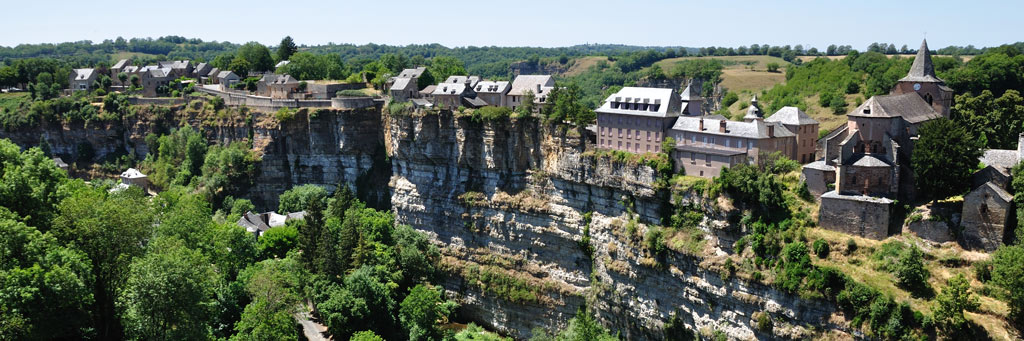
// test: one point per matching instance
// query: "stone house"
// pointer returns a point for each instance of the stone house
(493, 93)
(133, 177)
(988, 213)
(634, 119)
(152, 78)
(704, 146)
(450, 95)
(82, 79)
(117, 69)
(804, 127)
(178, 68)
(202, 72)
(404, 89)
(470, 81)
(226, 79)
(277, 86)
(539, 85)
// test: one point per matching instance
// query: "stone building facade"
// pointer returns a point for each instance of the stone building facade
(636, 119)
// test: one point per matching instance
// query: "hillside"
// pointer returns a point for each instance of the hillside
(741, 73)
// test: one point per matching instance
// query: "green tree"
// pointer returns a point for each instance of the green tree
(1008, 274)
(953, 300)
(111, 229)
(169, 293)
(584, 327)
(773, 67)
(422, 310)
(910, 271)
(257, 55)
(566, 105)
(286, 49)
(31, 185)
(277, 241)
(274, 287)
(45, 287)
(944, 159)
(443, 66)
(528, 107)
(240, 67)
(1000, 120)
(366, 335)
(298, 198)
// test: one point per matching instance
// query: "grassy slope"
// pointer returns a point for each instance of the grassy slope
(11, 101)
(859, 265)
(582, 64)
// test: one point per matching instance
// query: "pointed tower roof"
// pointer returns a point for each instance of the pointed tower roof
(922, 70)
(753, 112)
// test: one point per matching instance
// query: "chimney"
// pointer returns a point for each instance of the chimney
(721, 126)
(701, 127)
(1020, 146)
(771, 131)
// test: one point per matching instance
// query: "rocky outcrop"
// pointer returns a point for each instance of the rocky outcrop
(508, 203)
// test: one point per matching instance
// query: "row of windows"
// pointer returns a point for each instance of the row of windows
(630, 133)
(631, 147)
(710, 140)
(635, 106)
(629, 120)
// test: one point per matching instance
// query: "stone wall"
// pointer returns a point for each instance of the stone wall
(986, 215)
(864, 216)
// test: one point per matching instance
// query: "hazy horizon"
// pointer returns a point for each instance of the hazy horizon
(527, 23)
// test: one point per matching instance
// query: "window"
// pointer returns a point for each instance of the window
(648, 136)
(693, 158)
(620, 132)
(648, 148)
(628, 146)
(712, 140)
(707, 160)
(705, 139)
(750, 144)
(727, 143)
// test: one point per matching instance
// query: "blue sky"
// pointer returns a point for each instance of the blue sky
(524, 22)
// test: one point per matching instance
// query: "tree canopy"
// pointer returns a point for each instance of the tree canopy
(944, 158)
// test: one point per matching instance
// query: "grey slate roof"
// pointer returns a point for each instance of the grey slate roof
(402, 83)
(449, 89)
(791, 116)
(120, 64)
(132, 173)
(271, 78)
(1000, 159)
(474, 102)
(468, 80)
(492, 87)
(203, 69)
(689, 94)
(754, 130)
(412, 73)
(712, 151)
(429, 89)
(922, 70)
(83, 74)
(910, 106)
(226, 74)
(659, 97)
(522, 83)
(868, 160)
(281, 63)
(715, 117)
(820, 165)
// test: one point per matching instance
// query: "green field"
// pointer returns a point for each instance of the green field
(741, 73)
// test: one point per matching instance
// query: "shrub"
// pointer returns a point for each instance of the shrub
(655, 241)
(773, 67)
(764, 322)
(284, 115)
(851, 246)
(729, 99)
(821, 248)
(953, 300)
(910, 271)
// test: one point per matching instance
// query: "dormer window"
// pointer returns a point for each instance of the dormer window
(615, 105)
(867, 111)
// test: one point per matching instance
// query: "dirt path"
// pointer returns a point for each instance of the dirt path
(312, 330)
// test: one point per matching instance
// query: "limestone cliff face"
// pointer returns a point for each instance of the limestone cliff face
(324, 147)
(507, 200)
